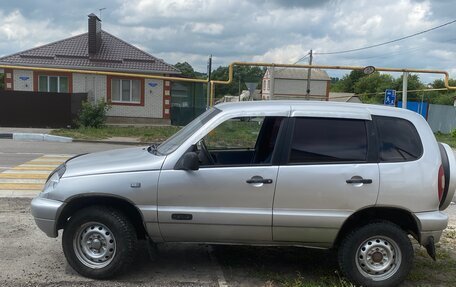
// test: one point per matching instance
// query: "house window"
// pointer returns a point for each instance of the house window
(125, 91)
(55, 84)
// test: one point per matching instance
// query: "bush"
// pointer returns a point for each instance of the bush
(453, 133)
(93, 114)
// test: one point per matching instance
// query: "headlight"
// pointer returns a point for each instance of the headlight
(54, 178)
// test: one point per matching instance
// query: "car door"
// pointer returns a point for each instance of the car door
(328, 173)
(230, 198)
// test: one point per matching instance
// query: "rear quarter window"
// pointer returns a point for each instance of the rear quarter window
(398, 140)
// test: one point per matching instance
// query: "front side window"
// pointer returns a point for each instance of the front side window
(328, 140)
(125, 91)
(240, 141)
(398, 140)
(237, 133)
(176, 140)
(54, 84)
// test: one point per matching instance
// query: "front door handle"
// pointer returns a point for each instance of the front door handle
(359, 180)
(259, 179)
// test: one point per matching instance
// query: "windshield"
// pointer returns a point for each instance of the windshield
(178, 138)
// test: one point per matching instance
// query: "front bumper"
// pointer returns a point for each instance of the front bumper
(45, 212)
(432, 224)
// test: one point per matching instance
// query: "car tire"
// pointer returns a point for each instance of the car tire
(99, 242)
(377, 254)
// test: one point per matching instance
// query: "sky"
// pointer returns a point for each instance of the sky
(250, 30)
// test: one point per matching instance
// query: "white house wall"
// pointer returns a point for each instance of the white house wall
(153, 103)
(93, 85)
(291, 87)
(23, 80)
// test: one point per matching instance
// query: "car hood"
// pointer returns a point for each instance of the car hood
(119, 160)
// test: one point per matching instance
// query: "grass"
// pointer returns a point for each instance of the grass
(151, 134)
(233, 134)
(446, 138)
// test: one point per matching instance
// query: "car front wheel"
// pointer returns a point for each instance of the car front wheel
(377, 254)
(99, 242)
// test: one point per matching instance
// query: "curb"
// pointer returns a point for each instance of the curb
(111, 142)
(35, 137)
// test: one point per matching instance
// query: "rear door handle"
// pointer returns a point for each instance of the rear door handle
(359, 180)
(259, 179)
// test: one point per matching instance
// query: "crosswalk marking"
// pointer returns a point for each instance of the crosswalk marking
(29, 178)
(33, 168)
(56, 163)
(21, 186)
(24, 175)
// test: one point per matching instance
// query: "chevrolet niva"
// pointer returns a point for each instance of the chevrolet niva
(352, 177)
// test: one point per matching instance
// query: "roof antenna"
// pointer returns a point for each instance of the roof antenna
(101, 9)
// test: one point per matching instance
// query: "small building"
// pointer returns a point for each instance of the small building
(134, 99)
(291, 84)
(344, 97)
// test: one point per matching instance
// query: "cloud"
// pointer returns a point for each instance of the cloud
(250, 30)
(22, 33)
(206, 28)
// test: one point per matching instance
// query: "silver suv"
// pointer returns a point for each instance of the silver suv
(356, 178)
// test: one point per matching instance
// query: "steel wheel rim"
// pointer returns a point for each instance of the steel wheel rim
(378, 258)
(94, 245)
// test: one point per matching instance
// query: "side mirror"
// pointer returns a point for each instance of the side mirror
(189, 161)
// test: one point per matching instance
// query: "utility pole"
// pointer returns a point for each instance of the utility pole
(271, 83)
(209, 74)
(309, 73)
(404, 89)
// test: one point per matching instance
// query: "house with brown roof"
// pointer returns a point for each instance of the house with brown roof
(136, 99)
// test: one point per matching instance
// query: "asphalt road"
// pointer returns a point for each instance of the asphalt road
(13, 153)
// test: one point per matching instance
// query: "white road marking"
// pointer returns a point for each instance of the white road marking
(22, 180)
(27, 179)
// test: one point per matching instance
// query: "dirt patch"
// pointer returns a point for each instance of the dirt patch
(29, 258)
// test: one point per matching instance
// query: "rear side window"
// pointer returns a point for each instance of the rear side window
(398, 140)
(327, 140)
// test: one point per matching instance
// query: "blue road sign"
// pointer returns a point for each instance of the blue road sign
(390, 97)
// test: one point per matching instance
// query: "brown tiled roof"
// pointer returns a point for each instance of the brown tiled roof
(114, 55)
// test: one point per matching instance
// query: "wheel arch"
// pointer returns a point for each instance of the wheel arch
(401, 217)
(122, 204)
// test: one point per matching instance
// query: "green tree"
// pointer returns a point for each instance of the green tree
(241, 75)
(444, 97)
(439, 84)
(186, 69)
(372, 85)
(413, 83)
(347, 83)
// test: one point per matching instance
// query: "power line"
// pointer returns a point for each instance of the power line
(388, 42)
(302, 58)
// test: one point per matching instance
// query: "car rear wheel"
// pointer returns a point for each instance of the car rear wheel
(377, 254)
(99, 242)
